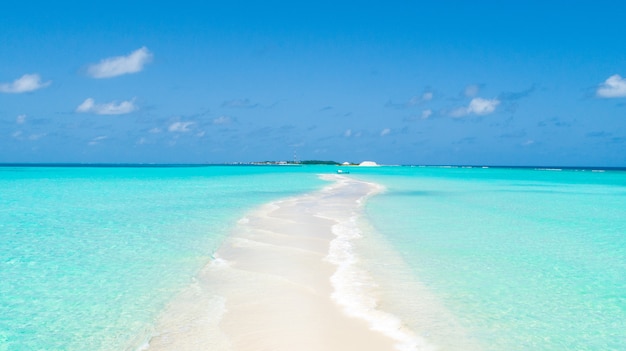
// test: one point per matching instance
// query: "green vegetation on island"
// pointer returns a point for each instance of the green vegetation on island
(318, 162)
(306, 162)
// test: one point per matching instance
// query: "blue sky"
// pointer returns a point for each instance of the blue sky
(397, 82)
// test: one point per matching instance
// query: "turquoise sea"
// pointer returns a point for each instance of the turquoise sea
(524, 259)
(90, 256)
(520, 259)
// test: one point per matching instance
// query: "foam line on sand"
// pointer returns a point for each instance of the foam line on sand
(288, 278)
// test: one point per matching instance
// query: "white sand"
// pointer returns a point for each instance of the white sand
(286, 280)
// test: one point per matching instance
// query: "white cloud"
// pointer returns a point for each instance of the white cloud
(24, 84)
(97, 140)
(155, 130)
(21, 119)
(427, 113)
(482, 106)
(613, 87)
(385, 132)
(222, 120)
(181, 127)
(477, 106)
(111, 108)
(119, 65)
(348, 133)
(87, 106)
(418, 99)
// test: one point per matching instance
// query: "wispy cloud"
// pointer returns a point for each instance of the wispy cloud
(21, 119)
(38, 136)
(19, 135)
(111, 108)
(385, 131)
(478, 106)
(427, 113)
(240, 103)
(120, 65)
(415, 100)
(180, 127)
(554, 122)
(24, 84)
(613, 87)
(471, 90)
(222, 120)
(601, 134)
(465, 141)
(349, 133)
(516, 95)
(97, 140)
(514, 134)
(426, 96)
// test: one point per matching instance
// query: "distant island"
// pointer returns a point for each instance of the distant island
(306, 162)
(315, 162)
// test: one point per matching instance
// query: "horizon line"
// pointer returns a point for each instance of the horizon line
(276, 163)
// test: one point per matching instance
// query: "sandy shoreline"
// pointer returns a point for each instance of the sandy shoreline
(285, 281)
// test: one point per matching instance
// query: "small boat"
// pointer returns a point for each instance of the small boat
(340, 171)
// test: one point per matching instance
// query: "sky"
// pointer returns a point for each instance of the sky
(535, 83)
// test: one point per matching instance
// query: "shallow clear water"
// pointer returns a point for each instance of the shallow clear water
(524, 259)
(520, 259)
(89, 256)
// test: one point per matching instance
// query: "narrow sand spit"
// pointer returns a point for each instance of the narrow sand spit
(284, 281)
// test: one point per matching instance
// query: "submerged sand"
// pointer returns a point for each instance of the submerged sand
(286, 279)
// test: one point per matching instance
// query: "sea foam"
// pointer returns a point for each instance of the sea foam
(355, 289)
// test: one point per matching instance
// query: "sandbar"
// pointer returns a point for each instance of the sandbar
(286, 280)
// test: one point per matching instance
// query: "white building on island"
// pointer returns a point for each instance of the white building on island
(368, 164)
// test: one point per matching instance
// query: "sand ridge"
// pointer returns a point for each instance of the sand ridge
(269, 287)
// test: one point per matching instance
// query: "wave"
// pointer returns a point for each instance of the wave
(355, 289)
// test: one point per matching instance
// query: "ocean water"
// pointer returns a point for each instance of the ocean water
(90, 256)
(515, 259)
(466, 258)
